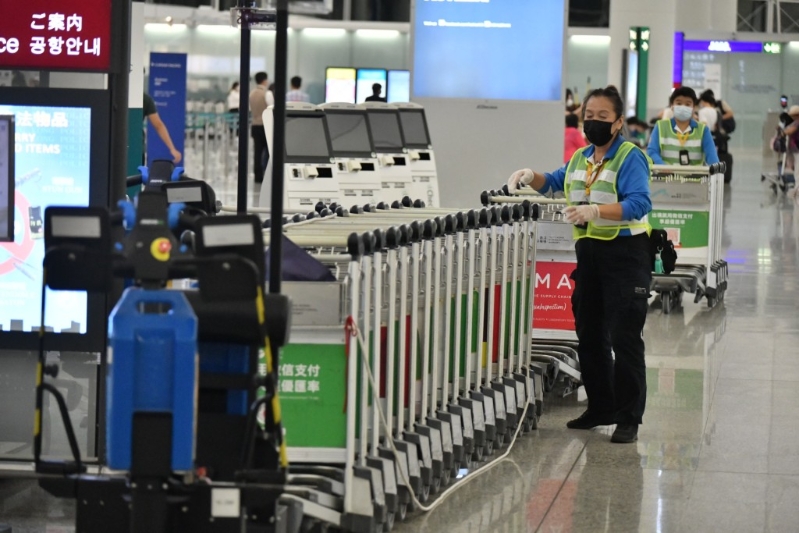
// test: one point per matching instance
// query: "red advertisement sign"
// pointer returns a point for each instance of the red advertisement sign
(553, 292)
(56, 35)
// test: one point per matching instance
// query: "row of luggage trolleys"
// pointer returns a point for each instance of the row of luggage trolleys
(424, 330)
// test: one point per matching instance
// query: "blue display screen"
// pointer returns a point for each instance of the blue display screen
(367, 77)
(53, 156)
(494, 49)
(399, 86)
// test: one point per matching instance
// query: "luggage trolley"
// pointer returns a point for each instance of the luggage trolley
(554, 341)
(418, 304)
(688, 202)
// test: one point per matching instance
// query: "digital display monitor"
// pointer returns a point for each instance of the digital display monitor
(306, 137)
(367, 77)
(6, 178)
(349, 134)
(414, 128)
(461, 50)
(46, 35)
(399, 86)
(340, 85)
(386, 132)
(53, 167)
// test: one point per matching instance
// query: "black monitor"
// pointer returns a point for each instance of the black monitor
(386, 131)
(349, 133)
(7, 178)
(307, 138)
(414, 128)
(61, 158)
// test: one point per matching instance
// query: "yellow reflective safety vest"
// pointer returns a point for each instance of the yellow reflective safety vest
(602, 191)
(672, 142)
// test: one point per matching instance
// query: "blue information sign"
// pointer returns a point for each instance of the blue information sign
(168, 89)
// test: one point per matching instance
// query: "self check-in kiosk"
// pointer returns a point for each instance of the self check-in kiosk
(309, 168)
(356, 164)
(395, 172)
(421, 157)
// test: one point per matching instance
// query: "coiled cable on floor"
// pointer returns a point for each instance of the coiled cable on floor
(390, 435)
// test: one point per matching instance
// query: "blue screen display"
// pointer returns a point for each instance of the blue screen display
(495, 49)
(53, 155)
(399, 86)
(367, 77)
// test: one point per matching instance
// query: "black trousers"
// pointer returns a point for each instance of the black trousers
(609, 302)
(260, 152)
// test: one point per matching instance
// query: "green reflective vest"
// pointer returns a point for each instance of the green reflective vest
(602, 192)
(671, 144)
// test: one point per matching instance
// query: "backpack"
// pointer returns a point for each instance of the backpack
(728, 124)
(664, 256)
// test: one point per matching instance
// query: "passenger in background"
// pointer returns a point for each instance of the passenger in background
(233, 96)
(260, 99)
(296, 94)
(638, 131)
(708, 114)
(573, 139)
(572, 107)
(151, 114)
(607, 189)
(377, 89)
(792, 148)
(682, 140)
(727, 115)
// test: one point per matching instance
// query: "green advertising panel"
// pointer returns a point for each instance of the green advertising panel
(687, 229)
(313, 395)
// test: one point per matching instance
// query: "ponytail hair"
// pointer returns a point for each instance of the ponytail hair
(611, 93)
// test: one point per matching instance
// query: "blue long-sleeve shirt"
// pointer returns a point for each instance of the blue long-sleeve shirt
(708, 146)
(632, 182)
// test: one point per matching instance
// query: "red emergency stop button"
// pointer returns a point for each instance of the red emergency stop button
(160, 249)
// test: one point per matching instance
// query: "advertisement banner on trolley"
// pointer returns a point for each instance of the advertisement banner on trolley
(553, 292)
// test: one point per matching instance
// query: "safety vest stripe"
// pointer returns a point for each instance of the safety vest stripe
(607, 176)
(669, 141)
(600, 197)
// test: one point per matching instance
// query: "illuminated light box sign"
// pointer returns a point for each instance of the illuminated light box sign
(730, 47)
(53, 159)
(46, 35)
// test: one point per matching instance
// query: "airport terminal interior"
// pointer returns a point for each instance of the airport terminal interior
(353, 266)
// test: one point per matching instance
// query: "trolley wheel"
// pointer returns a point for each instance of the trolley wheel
(453, 473)
(402, 512)
(534, 423)
(549, 379)
(489, 448)
(665, 299)
(711, 302)
(446, 478)
(500, 440)
(424, 496)
(435, 488)
(389, 525)
(478, 454)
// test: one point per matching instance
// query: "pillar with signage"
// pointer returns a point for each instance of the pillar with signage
(71, 149)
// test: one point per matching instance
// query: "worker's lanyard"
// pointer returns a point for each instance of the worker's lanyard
(683, 137)
(592, 173)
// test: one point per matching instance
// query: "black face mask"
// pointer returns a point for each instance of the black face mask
(598, 132)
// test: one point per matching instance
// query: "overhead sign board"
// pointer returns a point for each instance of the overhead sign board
(70, 35)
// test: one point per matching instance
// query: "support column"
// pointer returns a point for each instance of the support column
(660, 17)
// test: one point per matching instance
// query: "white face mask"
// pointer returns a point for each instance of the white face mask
(569, 102)
(683, 112)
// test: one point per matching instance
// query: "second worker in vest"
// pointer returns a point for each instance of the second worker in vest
(682, 140)
(607, 191)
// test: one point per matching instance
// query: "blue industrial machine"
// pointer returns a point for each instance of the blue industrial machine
(182, 375)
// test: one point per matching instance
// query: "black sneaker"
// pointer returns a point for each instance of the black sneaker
(625, 433)
(589, 420)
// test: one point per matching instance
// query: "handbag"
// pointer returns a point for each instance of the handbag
(664, 256)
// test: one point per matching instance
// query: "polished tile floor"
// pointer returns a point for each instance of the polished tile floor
(719, 450)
